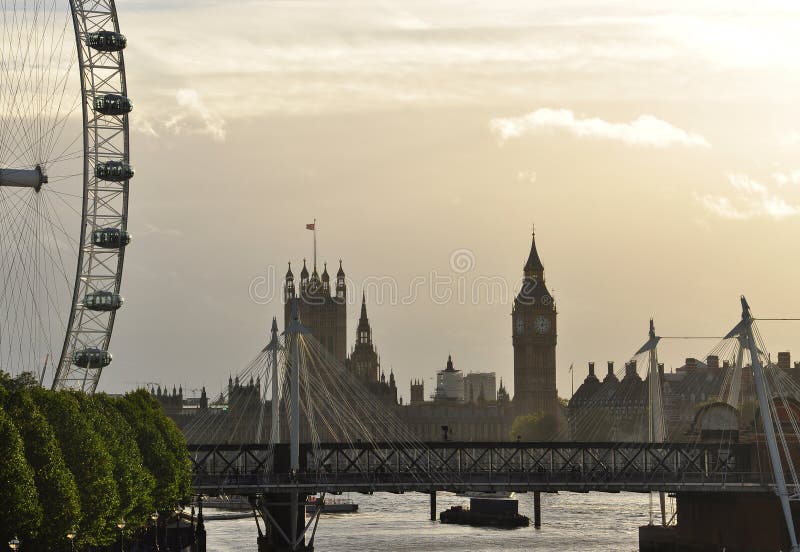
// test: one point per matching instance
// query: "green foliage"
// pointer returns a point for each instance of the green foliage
(134, 482)
(162, 445)
(20, 511)
(58, 493)
(70, 460)
(535, 427)
(88, 458)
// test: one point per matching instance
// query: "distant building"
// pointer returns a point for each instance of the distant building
(364, 362)
(534, 338)
(614, 410)
(449, 383)
(322, 310)
(417, 392)
(480, 387)
(471, 406)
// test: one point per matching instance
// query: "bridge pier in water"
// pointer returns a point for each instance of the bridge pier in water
(284, 514)
(735, 522)
(277, 511)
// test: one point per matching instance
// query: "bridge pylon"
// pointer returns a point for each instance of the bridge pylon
(656, 426)
(747, 335)
(284, 513)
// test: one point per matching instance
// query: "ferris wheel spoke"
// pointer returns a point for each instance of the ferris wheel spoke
(22, 310)
(43, 218)
(58, 224)
(24, 121)
(34, 280)
(44, 81)
(60, 88)
(20, 70)
(51, 201)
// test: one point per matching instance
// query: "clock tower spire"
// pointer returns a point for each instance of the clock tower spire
(534, 339)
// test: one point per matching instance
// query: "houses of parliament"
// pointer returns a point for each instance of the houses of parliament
(470, 406)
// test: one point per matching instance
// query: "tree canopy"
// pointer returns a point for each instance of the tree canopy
(55, 483)
(71, 460)
(20, 511)
(535, 427)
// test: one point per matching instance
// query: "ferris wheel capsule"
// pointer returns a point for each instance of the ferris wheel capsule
(91, 358)
(111, 238)
(113, 104)
(64, 177)
(114, 171)
(103, 301)
(106, 41)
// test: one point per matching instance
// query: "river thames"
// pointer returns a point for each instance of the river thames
(592, 522)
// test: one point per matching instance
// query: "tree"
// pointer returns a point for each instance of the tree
(163, 448)
(535, 427)
(58, 492)
(20, 511)
(134, 482)
(87, 457)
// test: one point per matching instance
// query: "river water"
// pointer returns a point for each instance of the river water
(592, 522)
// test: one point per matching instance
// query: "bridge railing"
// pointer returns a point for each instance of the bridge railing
(469, 465)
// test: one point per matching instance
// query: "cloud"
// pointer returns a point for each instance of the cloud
(787, 178)
(646, 130)
(194, 117)
(527, 176)
(751, 199)
(150, 228)
(143, 126)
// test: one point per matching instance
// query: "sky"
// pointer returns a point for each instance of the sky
(654, 148)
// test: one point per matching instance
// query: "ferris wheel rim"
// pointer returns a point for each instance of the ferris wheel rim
(66, 372)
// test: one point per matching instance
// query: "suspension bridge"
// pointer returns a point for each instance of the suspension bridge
(322, 432)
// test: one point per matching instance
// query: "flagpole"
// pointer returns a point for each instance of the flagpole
(315, 245)
(572, 377)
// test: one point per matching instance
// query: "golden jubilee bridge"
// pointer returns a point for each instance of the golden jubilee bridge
(321, 432)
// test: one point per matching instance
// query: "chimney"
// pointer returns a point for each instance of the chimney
(691, 364)
(630, 369)
(610, 367)
(726, 364)
(713, 362)
(591, 368)
(785, 360)
(661, 369)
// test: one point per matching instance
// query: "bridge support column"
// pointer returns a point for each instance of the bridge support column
(200, 529)
(280, 515)
(537, 509)
(736, 522)
(284, 514)
(433, 506)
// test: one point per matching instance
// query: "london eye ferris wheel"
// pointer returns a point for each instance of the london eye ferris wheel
(64, 179)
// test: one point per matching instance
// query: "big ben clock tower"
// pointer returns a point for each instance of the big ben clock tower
(534, 336)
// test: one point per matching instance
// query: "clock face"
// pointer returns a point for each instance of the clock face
(542, 324)
(519, 325)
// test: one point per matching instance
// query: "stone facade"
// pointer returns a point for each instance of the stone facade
(534, 338)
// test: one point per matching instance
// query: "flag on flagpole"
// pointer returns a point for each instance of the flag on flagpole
(310, 226)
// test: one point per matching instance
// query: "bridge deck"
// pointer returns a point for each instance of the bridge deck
(469, 466)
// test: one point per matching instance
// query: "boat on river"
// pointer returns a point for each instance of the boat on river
(487, 512)
(332, 505)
